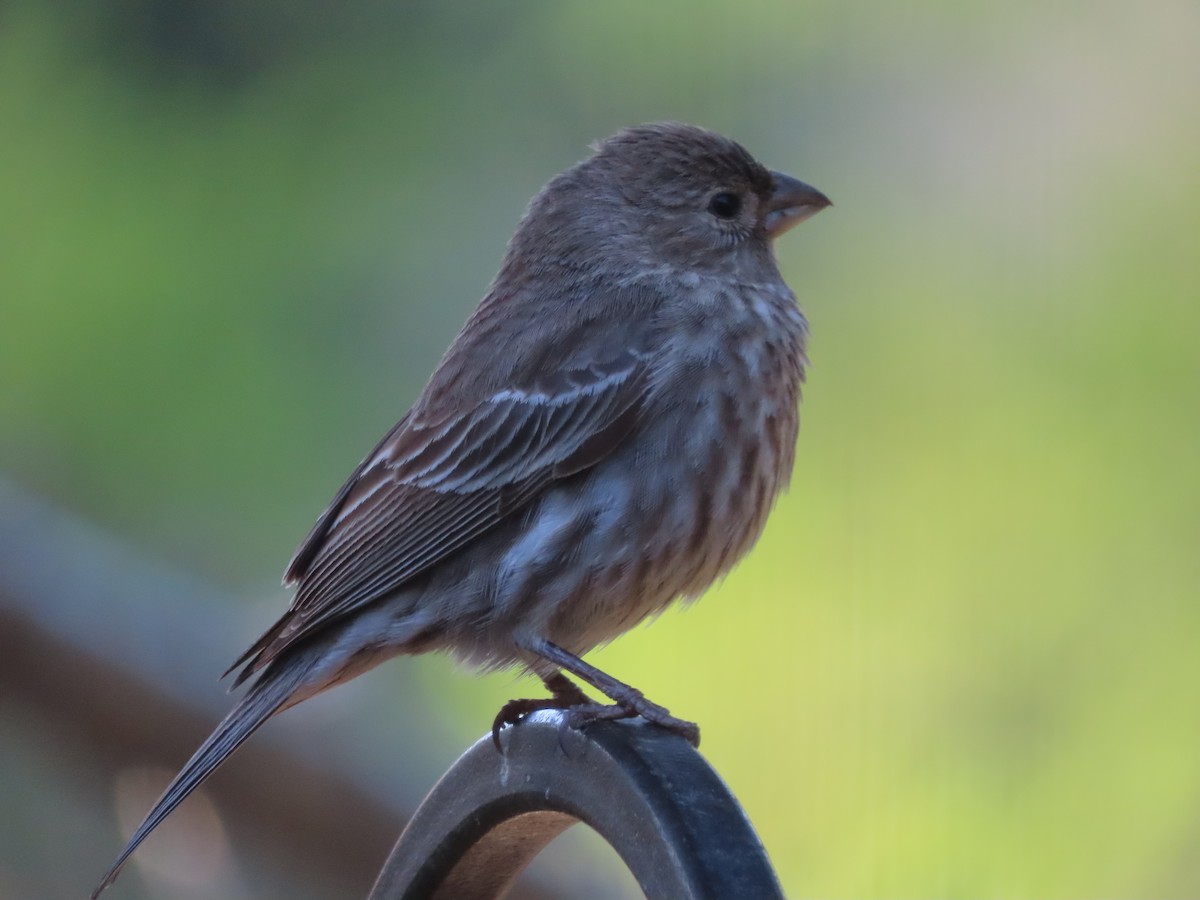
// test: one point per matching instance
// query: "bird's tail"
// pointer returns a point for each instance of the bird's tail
(266, 697)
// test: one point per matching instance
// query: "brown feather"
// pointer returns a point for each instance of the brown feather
(443, 477)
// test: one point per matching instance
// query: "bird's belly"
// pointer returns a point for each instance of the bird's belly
(665, 515)
(663, 520)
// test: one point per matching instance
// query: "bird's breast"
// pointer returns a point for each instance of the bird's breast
(688, 494)
(731, 431)
(682, 498)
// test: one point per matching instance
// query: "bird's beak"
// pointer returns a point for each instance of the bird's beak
(791, 202)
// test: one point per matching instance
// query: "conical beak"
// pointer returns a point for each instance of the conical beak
(791, 202)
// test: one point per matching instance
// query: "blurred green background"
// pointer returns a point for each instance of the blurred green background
(236, 236)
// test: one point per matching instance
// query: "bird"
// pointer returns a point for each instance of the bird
(607, 434)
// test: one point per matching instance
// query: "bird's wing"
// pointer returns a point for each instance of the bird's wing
(439, 480)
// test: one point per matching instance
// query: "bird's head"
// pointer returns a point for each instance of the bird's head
(665, 195)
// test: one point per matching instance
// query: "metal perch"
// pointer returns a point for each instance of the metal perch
(646, 791)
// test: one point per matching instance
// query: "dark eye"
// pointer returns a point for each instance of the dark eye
(725, 205)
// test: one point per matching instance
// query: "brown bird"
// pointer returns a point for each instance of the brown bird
(606, 434)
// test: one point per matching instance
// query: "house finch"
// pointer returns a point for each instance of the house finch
(606, 434)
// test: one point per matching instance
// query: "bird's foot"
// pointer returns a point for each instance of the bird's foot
(579, 709)
(512, 712)
(628, 707)
(566, 695)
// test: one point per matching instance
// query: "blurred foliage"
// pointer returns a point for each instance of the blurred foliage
(962, 662)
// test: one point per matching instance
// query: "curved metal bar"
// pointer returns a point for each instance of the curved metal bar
(645, 790)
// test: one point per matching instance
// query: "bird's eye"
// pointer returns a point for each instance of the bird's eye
(725, 205)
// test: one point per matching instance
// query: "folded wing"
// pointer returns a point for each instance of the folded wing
(438, 481)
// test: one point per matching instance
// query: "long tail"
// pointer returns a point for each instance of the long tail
(266, 697)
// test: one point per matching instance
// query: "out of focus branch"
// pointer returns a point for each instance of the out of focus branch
(87, 641)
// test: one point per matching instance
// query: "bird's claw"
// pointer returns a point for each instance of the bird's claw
(577, 715)
(634, 703)
(512, 712)
(661, 716)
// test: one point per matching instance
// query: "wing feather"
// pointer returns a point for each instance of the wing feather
(431, 488)
(524, 397)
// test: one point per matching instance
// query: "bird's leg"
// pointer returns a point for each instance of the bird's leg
(566, 695)
(627, 700)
